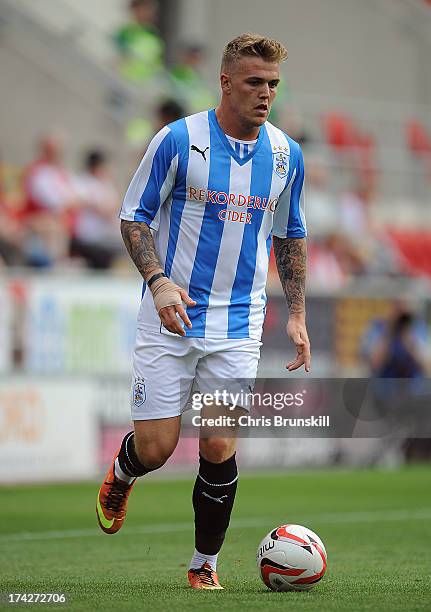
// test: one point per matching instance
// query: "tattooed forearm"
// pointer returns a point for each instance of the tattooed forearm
(140, 245)
(291, 257)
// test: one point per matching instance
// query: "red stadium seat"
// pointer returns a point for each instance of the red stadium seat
(418, 139)
(414, 247)
(339, 130)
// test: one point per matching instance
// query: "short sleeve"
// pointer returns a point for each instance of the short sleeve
(289, 216)
(153, 181)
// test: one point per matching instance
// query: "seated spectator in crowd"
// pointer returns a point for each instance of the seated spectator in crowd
(356, 223)
(280, 108)
(140, 130)
(370, 248)
(139, 44)
(188, 82)
(49, 196)
(322, 208)
(11, 233)
(355, 216)
(168, 111)
(294, 125)
(329, 261)
(97, 235)
(11, 240)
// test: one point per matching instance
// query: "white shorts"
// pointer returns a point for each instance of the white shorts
(167, 368)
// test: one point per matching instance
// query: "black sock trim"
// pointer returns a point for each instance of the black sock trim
(217, 484)
(128, 459)
(218, 474)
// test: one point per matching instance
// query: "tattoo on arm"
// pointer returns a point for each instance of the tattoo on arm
(291, 258)
(140, 245)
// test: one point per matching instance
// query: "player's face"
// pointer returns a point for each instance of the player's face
(252, 86)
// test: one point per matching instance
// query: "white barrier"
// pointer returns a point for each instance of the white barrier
(48, 431)
(81, 324)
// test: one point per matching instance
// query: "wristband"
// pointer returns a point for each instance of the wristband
(155, 277)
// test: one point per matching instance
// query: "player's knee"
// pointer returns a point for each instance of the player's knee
(217, 450)
(153, 455)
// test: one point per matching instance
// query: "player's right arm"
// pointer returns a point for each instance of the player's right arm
(151, 185)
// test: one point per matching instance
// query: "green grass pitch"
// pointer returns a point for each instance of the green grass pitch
(375, 524)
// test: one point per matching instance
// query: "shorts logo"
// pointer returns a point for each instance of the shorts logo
(139, 394)
(281, 164)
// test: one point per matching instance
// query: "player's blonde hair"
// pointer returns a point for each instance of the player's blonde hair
(253, 45)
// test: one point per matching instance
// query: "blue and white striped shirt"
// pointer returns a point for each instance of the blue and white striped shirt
(213, 215)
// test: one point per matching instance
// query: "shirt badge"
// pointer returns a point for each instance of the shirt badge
(281, 164)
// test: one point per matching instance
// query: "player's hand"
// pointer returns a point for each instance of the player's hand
(168, 300)
(170, 315)
(297, 332)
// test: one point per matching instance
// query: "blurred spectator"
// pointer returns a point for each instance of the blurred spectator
(139, 44)
(188, 82)
(324, 269)
(140, 130)
(396, 347)
(11, 240)
(293, 124)
(11, 234)
(323, 213)
(97, 235)
(371, 250)
(355, 211)
(167, 112)
(49, 196)
(356, 224)
(333, 258)
(279, 107)
(332, 261)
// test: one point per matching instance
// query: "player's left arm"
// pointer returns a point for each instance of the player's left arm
(290, 249)
(291, 258)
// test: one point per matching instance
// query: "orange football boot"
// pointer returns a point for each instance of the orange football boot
(111, 503)
(204, 578)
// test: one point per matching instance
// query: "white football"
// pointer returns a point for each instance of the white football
(291, 558)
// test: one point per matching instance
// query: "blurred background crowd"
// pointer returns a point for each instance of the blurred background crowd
(368, 169)
(85, 85)
(368, 162)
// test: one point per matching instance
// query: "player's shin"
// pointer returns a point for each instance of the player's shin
(127, 465)
(213, 499)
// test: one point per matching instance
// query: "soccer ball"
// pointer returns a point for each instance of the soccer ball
(291, 558)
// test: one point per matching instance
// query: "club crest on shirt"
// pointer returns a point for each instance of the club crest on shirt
(281, 164)
(139, 394)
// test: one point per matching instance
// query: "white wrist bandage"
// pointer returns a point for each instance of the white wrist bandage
(165, 293)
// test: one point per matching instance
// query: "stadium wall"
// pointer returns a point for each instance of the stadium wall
(47, 84)
(382, 48)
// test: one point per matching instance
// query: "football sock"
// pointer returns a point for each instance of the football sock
(213, 498)
(127, 465)
(199, 559)
(120, 474)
